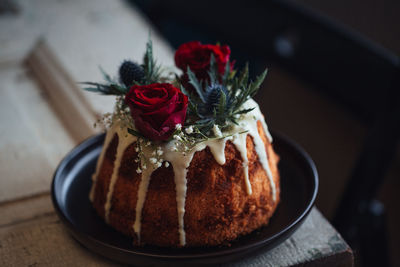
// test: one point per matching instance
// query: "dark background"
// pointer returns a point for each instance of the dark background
(332, 87)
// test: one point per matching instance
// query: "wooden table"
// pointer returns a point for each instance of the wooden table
(36, 129)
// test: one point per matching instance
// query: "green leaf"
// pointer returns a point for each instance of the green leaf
(148, 60)
(89, 83)
(135, 133)
(243, 111)
(152, 71)
(226, 73)
(91, 89)
(240, 83)
(244, 76)
(222, 104)
(213, 71)
(117, 88)
(183, 90)
(105, 75)
(260, 79)
(203, 121)
(234, 121)
(197, 86)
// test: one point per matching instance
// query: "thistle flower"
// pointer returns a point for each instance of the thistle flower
(130, 72)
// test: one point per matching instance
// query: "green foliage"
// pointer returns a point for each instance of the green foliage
(234, 91)
(111, 87)
(136, 133)
(152, 74)
(152, 71)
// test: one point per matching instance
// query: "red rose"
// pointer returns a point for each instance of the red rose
(197, 57)
(156, 109)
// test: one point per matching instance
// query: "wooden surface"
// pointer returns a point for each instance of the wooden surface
(40, 238)
(35, 133)
(66, 98)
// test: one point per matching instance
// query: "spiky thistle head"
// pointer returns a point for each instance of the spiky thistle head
(212, 96)
(130, 72)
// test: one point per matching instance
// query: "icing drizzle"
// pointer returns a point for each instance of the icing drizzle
(107, 141)
(124, 140)
(181, 161)
(239, 141)
(143, 187)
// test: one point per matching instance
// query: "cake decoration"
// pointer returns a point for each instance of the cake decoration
(167, 119)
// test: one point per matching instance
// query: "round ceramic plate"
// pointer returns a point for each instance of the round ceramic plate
(70, 190)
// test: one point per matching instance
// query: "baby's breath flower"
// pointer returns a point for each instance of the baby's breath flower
(153, 160)
(189, 130)
(177, 137)
(166, 164)
(178, 126)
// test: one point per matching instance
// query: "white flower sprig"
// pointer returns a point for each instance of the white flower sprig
(121, 115)
(149, 155)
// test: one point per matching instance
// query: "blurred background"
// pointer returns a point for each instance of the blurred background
(333, 87)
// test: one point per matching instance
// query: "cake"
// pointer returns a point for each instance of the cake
(186, 161)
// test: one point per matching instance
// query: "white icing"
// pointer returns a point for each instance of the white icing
(142, 192)
(239, 141)
(249, 123)
(258, 115)
(262, 155)
(109, 136)
(181, 161)
(124, 140)
(217, 148)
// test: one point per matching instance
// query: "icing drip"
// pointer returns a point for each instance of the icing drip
(249, 123)
(180, 162)
(217, 148)
(259, 116)
(239, 141)
(124, 140)
(262, 155)
(109, 136)
(142, 192)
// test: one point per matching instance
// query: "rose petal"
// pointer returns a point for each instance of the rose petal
(197, 56)
(156, 109)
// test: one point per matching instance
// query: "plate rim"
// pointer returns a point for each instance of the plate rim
(257, 245)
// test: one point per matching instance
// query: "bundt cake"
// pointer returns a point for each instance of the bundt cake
(183, 170)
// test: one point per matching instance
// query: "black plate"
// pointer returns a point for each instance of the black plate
(70, 189)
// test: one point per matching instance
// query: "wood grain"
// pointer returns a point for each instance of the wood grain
(32, 139)
(45, 241)
(25, 209)
(67, 100)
